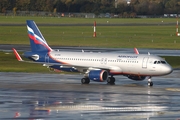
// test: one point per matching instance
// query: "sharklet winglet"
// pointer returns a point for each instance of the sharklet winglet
(136, 51)
(18, 57)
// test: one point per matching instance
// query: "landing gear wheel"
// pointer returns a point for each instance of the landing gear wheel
(111, 80)
(85, 80)
(150, 83)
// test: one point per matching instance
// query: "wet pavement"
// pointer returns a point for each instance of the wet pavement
(58, 96)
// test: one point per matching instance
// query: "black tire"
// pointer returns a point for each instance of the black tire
(150, 84)
(111, 80)
(85, 81)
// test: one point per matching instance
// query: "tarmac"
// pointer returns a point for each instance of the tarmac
(61, 96)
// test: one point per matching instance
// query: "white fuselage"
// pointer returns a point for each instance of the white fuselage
(128, 64)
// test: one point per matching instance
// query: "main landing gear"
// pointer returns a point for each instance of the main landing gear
(111, 80)
(85, 81)
(150, 83)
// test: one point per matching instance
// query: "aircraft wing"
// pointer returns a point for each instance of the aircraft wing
(81, 66)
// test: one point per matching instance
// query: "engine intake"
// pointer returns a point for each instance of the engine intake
(98, 75)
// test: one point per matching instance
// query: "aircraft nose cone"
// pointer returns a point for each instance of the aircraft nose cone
(168, 70)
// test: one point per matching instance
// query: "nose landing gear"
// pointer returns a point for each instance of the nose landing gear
(150, 83)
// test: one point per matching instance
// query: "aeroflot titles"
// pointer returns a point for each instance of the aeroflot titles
(124, 56)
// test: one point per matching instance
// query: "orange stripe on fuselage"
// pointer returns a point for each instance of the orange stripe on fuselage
(64, 63)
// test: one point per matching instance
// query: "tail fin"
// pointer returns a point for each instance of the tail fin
(37, 41)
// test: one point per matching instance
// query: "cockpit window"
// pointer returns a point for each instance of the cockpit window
(159, 62)
(163, 62)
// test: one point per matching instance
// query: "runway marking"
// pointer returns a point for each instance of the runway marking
(100, 108)
(173, 89)
(3, 111)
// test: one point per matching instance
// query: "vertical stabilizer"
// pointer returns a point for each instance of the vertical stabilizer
(37, 41)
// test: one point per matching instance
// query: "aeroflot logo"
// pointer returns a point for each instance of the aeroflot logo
(127, 56)
(31, 32)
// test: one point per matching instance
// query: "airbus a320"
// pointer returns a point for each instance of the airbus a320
(97, 67)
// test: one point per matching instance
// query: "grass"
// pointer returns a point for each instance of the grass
(107, 36)
(156, 36)
(9, 63)
(174, 61)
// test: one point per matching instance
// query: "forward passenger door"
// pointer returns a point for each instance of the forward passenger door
(144, 62)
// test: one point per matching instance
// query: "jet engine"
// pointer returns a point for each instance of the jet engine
(136, 77)
(98, 75)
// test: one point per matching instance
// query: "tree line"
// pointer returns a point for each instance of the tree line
(121, 7)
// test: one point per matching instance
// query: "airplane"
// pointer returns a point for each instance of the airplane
(97, 67)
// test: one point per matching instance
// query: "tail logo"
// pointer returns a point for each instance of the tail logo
(36, 38)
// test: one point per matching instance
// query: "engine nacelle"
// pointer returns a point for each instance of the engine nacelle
(137, 78)
(98, 75)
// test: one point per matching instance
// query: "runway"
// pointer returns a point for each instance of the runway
(58, 96)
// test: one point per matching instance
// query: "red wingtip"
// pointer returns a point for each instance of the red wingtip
(136, 51)
(18, 57)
